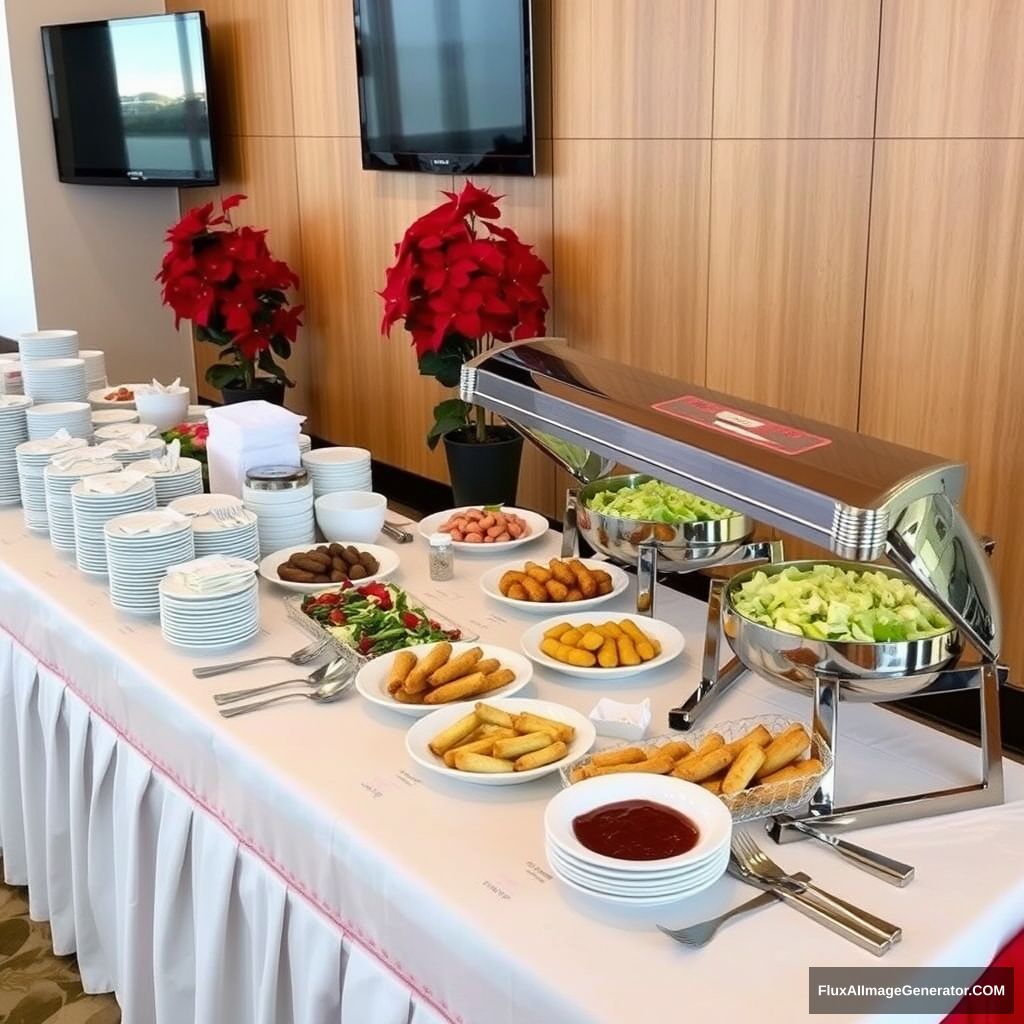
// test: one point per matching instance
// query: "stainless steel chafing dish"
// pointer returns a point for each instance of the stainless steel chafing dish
(862, 498)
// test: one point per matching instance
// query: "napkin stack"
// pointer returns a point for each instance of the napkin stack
(156, 388)
(246, 435)
(150, 524)
(213, 574)
(112, 483)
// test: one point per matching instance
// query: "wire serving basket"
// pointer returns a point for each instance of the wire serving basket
(752, 803)
(341, 647)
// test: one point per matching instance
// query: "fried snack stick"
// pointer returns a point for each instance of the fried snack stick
(657, 765)
(592, 641)
(624, 755)
(481, 746)
(608, 655)
(481, 763)
(516, 746)
(467, 686)
(403, 664)
(508, 579)
(610, 630)
(487, 732)
(557, 592)
(743, 769)
(538, 758)
(496, 680)
(698, 769)
(800, 770)
(561, 572)
(711, 785)
(416, 680)
(458, 730)
(456, 667)
(641, 641)
(528, 722)
(676, 749)
(584, 578)
(786, 747)
(568, 655)
(555, 632)
(494, 716)
(759, 735)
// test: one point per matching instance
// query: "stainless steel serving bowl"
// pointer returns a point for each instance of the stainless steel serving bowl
(871, 671)
(682, 547)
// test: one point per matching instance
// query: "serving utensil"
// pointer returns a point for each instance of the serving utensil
(303, 656)
(752, 865)
(895, 872)
(697, 935)
(324, 674)
(325, 694)
(396, 533)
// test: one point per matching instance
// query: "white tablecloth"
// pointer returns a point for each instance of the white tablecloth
(296, 865)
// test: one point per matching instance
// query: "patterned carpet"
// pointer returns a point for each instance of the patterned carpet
(36, 986)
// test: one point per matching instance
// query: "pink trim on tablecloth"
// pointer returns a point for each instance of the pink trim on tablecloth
(349, 930)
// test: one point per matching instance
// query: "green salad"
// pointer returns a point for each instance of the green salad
(829, 602)
(655, 502)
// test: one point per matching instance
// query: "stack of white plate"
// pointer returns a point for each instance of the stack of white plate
(151, 448)
(284, 514)
(58, 482)
(55, 380)
(107, 417)
(305, 443)
(13, 431)
(95, 368)
(211, 620)
(33, 458)
(11, 381)
(235, 533)
(46, 420)
(48, 345)
(338, 469)
(170, 484)
(141, 546)
(125, 428)
(638, 882)
(92, 510)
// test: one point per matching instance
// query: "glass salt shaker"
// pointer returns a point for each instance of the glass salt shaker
(442, 557)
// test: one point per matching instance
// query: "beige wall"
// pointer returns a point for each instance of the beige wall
(94, 251)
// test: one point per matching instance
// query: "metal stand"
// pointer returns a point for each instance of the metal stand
(827, 817)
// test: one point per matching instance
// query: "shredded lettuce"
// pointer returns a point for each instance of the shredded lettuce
(829, 602)
(655, 502)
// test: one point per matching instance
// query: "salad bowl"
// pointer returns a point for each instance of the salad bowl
(682, 546)
(871, 670)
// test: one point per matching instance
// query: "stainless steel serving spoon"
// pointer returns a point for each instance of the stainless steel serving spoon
(324, 694)
(324, 674)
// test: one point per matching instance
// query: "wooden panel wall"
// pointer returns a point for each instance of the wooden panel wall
(817, 204)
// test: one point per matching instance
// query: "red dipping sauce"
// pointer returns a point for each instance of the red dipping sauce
(636, 830)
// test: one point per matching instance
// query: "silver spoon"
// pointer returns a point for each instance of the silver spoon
(323, 674)
(325, 694)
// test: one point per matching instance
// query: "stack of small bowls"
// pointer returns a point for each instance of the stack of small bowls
(46, 420)
(33, 457)
(282, 499)
(13, 431)
(58, 480)
(93, 509)
(338, 469)
(141, 547)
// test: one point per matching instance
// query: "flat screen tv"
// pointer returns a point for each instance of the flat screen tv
(446, 86)
(130, 101)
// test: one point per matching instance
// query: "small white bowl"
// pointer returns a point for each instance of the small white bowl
(352, 516)
(164, 409)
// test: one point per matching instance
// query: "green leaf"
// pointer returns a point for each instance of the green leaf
(440, 428)
(222, 375)
(212, 334)
(452, 408)
(267, 364)
(446, 369)
(281, 345)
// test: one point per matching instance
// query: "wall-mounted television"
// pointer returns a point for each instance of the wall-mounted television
(130, 101)
(446, 86)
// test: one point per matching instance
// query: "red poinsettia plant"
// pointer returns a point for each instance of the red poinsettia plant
(462, 283)
(225, 280)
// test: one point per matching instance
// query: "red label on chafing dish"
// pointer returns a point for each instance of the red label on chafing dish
(742, 425)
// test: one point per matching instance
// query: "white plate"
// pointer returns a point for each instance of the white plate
(653, 876)
(490, 580)
(417, 739)
(99, 400)
(636, 901)
(537, 523)
(372, 679)
(621, 886)
(671, 640)
(388, 559)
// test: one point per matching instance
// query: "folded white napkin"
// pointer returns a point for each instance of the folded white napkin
(132, 439)
(56, 442)
(148, 523)
(6, 400)
(625, 721)
(169, 462)
(66, 459)
(112, 483)
(156, 388)
(213, 573)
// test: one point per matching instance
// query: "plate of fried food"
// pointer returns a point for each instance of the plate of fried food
(486, 529)
(417, 681)
(534, 587)
(307, 569)
(759, 766)
(602, 646)
(500, 742)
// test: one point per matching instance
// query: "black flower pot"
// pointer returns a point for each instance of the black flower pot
(269, 389)
(487, 473)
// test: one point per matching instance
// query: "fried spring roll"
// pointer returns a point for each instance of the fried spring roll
(456, 668)
(458, 730)
(416, 680)
(743, 769)
(538, 758)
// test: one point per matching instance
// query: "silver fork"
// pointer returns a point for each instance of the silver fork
(228, 515)
(303, 656)
(755, 860)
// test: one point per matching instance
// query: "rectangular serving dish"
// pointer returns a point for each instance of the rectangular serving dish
(293, 605)
(757, 802)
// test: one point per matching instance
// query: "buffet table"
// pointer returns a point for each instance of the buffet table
(294, 864)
